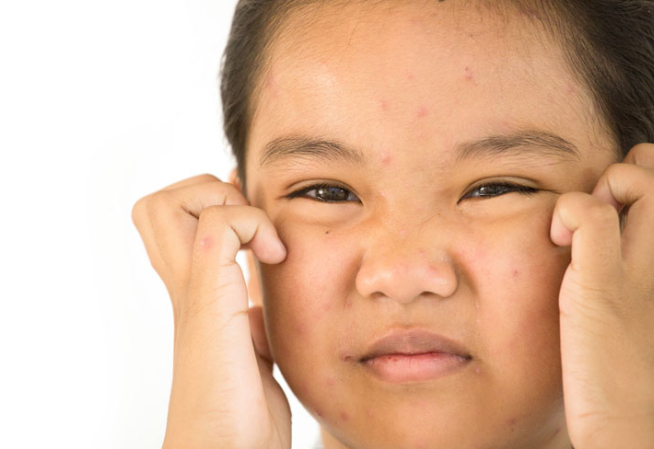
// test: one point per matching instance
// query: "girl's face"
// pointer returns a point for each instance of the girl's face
(424, 117)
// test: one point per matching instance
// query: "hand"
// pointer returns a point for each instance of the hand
(606, 306)
(223, 393)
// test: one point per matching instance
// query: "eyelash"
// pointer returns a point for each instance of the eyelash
(508, 186)
(304, 191)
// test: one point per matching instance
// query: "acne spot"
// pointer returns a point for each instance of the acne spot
(516, 273)
(469, 74)
(423, 111)
(512, 423)
(383, 105)
(330, 381)
(348, 303)
(386, 159)
(571, 89)
(319, 413)
(410, 76)
(300, 328)
(206, 242)
(345, 416)
(327, 307)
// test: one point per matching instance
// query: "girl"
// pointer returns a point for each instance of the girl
(450, 205)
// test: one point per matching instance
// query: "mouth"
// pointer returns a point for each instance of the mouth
(414, 355)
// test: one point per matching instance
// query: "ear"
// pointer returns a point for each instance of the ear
(234, 179)
(254, 285)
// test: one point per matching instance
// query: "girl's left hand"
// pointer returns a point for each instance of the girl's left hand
(606, 306)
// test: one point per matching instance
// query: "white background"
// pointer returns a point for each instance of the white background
(101, 103)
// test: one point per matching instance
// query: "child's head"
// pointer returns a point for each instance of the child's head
(445, 131)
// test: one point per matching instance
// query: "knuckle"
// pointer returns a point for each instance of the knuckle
(158, 201)
(206, 177)
(643, 154)
(618, 170)
(138, 211)
(602, 212)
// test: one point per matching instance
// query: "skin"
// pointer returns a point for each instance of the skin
(557, 325)
(483, 272)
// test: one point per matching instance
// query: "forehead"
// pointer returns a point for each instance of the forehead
(415, 75)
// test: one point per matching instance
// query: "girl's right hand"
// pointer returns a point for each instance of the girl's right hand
(223, 393)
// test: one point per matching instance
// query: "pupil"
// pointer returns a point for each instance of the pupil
(332, 194)
(491, 190)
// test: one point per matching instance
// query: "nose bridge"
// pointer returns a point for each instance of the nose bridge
(403, 261)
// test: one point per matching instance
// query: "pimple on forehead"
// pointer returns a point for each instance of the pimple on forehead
(383, 105)
(385, 159)
(423, 111)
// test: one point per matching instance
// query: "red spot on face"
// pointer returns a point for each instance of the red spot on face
(386, 159)
(469, 75)
(383, 105)
(330, 381)
(345, 416)
(410, 76)
(572, 89)
(423, 112)
(516, 273)
(206, 242)
(300, 328)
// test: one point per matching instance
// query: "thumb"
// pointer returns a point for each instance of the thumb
(259, 338)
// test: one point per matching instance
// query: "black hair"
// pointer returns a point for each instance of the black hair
(609, 45)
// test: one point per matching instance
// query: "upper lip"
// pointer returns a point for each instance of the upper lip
(413, 341)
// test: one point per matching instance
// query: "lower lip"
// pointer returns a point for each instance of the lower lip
(402, 368)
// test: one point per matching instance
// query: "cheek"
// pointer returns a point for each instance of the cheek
(305, 296)
(518, 273)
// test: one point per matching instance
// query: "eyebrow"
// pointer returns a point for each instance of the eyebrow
(531, 142)
(301, 147)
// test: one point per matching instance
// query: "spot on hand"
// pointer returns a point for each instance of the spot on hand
(206, 242)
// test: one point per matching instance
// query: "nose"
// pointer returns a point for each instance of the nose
(405, 265)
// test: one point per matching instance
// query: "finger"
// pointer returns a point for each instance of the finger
(221, 232)
(259, 338)
(168, 222)
(199, 179)
(632, 186)
(642, 155)
(592, 227)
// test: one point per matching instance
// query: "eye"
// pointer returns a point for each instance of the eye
(492, 190)
(326, 193)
